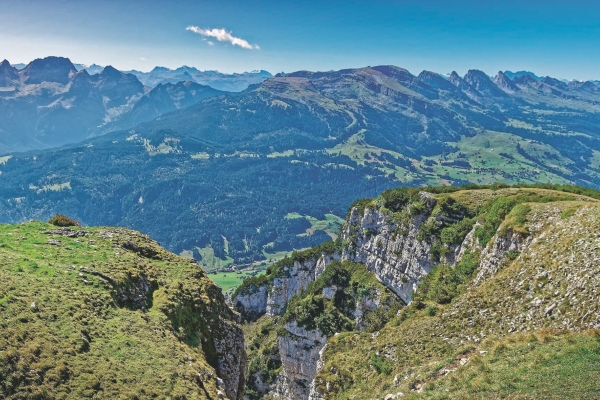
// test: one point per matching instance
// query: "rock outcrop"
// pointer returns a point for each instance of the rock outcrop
(300, 351)
(502, 247)
(390, 250)
(231, 358)
(271, 298)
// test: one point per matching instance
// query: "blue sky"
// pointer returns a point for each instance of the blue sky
(556, 38)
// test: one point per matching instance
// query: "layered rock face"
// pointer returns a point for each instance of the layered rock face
(390, 250)
(231, 358)
(272, 299)
(296, 279)
(300, 352)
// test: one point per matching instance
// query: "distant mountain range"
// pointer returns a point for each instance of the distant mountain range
(235, 82)
(242, 176)
(50, 102)
(519, 74)
(228, 82)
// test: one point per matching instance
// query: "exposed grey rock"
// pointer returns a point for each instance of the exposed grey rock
(252, 304)
(494, 256)
(295, 279)
(300, 351)
(271, 298)
(398, 261)
(315, 391)
(232, 361)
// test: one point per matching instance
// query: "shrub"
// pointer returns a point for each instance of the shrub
(452, 208)
(381, 365)
(492, 215)
(568, 213)
(361, 205)
(396, 199)
(431, 311)
(332, 322)
(428, 230)
(455, 234)
(63, 220)
(444, 283)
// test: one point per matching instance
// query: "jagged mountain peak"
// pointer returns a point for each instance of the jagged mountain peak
(504, 82)
(525, 80)
(515, 75)
(49, 69)
(554, 82)
(455, 79)
(435, 80)
(8, 73)
(475, 76)
(160, 69)
(482, 83)
(586, 85)
(111, 73)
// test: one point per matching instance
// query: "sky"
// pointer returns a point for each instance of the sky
(555, 38)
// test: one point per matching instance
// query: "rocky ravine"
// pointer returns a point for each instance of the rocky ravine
(394, 250)
(389, 249)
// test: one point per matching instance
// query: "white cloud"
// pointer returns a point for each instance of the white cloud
(222, 36)
(142, 58)
(210, 43)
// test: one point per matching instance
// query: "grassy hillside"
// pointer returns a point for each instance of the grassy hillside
(104, 312)
(543, 364)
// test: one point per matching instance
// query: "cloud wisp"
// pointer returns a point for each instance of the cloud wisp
(223, 35)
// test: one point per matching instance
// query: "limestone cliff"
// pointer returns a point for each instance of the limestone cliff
(390, 248)
(399, 238)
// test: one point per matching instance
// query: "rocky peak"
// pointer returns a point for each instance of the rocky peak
(400, 74)
(160, 69)
(49, 69)
(8, 73)
(482, 83)
(505, 83)
(514, 75)
(118, 86)
(455, 79)
(525, 80)
(408, 80)
(554, 82)
(110, 72)
(435, 81)
(81, 83)
(585, 86)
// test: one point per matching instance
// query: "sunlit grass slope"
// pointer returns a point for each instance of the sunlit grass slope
(103, 313)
